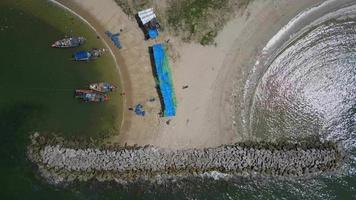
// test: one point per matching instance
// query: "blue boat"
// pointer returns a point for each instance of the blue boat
(82, 55)
(88, 55)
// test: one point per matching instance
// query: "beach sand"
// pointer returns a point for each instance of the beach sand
(205, 110)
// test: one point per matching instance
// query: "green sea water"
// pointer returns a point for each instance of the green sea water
(42, 79)
(37, 85)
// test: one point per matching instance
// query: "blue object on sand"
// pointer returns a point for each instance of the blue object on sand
(114, 38)
(152, 33)
(139, 110)
(165, 82)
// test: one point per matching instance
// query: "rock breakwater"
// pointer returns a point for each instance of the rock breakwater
(59, 164)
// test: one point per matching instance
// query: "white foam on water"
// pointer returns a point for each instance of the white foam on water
(216, 175)
(286, 31)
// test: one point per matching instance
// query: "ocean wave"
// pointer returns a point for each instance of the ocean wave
(304, 83)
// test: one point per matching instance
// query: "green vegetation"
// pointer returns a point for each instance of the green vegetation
(208, 38)
(198, 20)
(192, 20)
(132, 7)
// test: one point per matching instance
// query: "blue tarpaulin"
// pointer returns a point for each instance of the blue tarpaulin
(114, 38)
(81, 55)
(139, 110)
(152, 33)
(165, 80)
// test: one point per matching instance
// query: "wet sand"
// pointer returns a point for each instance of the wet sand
(205, 110)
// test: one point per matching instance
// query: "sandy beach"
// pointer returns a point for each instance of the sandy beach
(205, 110)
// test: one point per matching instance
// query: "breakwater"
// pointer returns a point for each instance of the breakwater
(59, 164)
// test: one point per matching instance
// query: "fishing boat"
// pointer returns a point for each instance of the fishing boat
(102, 87)
(88, 55)
(69, 42)
(90, 96)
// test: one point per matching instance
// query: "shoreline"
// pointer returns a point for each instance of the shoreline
(300, 24)
(100, 31)
(206, 111)
(194, 135)
(132, 58)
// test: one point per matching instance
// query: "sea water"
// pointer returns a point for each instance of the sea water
(37, 85)
(302, 87)
(305, 89)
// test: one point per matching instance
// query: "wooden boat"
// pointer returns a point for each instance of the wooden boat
(69, 42)
(88, 55)
(102, 87)
(91, 96)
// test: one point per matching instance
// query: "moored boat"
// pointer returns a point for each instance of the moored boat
(69, 42)
(88, 55)
(90, 96)
(102, 87)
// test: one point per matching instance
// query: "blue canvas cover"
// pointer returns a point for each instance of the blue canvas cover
(152, 33)
(114, 38)
(165, 80)
(82, 55)
(139, 110)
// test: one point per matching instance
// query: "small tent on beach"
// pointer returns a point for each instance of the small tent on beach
(149, 22)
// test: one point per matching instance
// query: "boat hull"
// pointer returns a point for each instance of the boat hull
(88, 55)
(102, 87)
(90, 96)
(69, 42)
